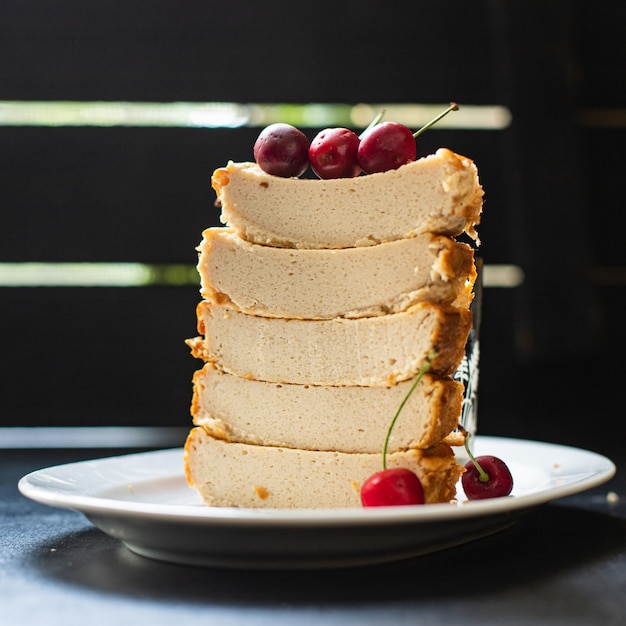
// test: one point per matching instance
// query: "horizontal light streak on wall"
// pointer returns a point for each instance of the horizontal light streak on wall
(236, 115)
(155, 114)
(507, 276)
(44, 437)
(173, 275)
(96, 275)
(468, 116)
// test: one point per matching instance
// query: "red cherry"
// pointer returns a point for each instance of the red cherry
(386, 146)
(282, 150)
(333, 153)
(392, 487)
(493, 480)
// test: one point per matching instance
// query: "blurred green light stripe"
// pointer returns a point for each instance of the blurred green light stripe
(236, 115)
(34, 274)
(96, 275)
(132, 114)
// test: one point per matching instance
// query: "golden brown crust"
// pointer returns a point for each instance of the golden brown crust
(469, 204)
(438, 472)
(197, 346)
(447, 403)
(449, 344)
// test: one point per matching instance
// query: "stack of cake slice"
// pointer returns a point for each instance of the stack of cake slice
(322, 300)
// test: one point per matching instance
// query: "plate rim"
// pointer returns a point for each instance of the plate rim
(30, 486)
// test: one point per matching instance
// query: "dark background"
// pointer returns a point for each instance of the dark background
(551, 349)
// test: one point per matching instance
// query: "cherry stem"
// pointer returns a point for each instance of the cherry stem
(453, 107)
(482, 474)
(373, 122)
(427, 363)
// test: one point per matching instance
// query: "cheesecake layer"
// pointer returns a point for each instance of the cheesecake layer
(439, 193)
(367, 351)
(322, 284)
(242, 475)
(345, 419)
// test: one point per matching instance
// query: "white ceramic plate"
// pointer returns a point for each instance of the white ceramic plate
(143, 500)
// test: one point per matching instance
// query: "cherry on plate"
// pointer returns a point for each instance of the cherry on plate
(494, 481)
(392, 487)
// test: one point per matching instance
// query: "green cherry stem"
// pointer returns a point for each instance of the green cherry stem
(482, 474)
(373, 122)
(425, 367)
(453, 107)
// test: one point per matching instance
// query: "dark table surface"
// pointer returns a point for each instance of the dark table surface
(563, 563)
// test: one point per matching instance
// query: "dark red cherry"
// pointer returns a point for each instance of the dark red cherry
(282, 150)
(386, 146)
(392, 487)
(492, 480)
(333, 153)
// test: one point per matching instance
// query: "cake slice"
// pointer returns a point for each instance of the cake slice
(368, 351)
(243, 475)
(310, 417)
(439, 193)
(322, 284)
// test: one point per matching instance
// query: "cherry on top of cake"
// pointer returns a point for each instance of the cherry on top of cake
(283, 150)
